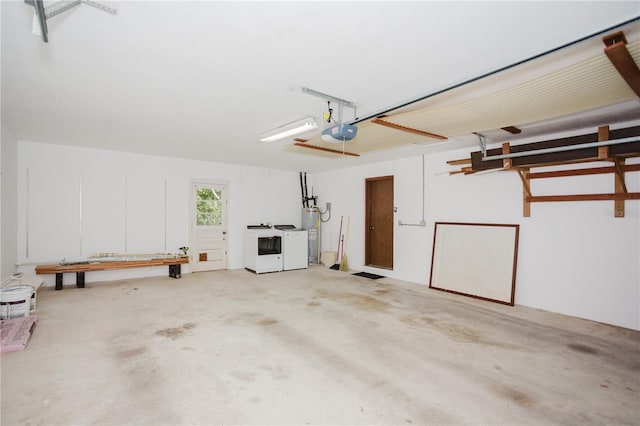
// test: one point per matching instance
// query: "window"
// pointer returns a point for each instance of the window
(209, 207)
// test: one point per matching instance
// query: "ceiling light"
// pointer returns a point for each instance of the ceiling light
(290, 129)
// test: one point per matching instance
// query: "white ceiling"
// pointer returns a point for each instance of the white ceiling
(202, 79)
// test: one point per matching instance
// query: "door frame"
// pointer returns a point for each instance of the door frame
(368, 213)
(191, 218)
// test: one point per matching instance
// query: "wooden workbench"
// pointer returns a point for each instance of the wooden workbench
(79, 268)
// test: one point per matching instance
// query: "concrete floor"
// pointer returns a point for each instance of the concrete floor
(314, 346)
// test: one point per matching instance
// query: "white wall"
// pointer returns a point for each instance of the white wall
(574, 258)
(75, 202)
(8, 200)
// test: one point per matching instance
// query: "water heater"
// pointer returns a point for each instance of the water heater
(311, 222)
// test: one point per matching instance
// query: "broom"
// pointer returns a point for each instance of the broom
(344, 266)
(336, 265)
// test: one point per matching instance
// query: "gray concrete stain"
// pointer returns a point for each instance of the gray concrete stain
(175, 333)
(457, 332)
(359, 301)
(244, 376)
(129, 353)
(515, 395)
(579, 347)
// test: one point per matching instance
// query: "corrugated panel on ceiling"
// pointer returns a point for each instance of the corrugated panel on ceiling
(589, 84)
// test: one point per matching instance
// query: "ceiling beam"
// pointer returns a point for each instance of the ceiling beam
(511, 129)
(617, 52)
(321, 148)
(382, 122)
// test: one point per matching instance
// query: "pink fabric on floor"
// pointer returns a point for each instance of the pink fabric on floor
(16, 333)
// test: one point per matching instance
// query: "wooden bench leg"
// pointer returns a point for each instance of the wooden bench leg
(175, 271)
(80, 279)
(58, 280)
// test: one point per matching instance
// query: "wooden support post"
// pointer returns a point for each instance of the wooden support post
(617, 52)
(603, 154)
(506, 149)
(526, 191)
(620, 187)
(603, 135)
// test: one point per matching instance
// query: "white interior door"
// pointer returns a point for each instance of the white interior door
(208, 239)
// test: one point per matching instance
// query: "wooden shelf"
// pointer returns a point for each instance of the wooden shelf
(616, 154)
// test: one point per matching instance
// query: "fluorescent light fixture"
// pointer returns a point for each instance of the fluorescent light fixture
(286, 130)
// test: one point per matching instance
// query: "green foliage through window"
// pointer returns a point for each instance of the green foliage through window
(209, 207)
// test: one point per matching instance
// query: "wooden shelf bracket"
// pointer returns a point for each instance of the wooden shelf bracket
(605, 145)
(526, 191)
(618, 197)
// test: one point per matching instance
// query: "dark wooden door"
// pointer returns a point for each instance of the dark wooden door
(379, 222)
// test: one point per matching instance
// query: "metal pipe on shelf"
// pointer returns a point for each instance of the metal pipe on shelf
(562, 148)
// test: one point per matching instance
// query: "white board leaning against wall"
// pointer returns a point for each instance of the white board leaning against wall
(475, 259)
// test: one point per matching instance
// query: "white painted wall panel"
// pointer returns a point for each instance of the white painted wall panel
(145, 214)
(177, 213)
(103, 213)
(53, 214)
(8, 202)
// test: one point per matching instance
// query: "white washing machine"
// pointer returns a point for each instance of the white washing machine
(263, 249)
(295, 247)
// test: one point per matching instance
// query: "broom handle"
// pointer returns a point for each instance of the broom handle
(344, 244)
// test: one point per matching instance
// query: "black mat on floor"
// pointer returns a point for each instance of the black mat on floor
(368, 275)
